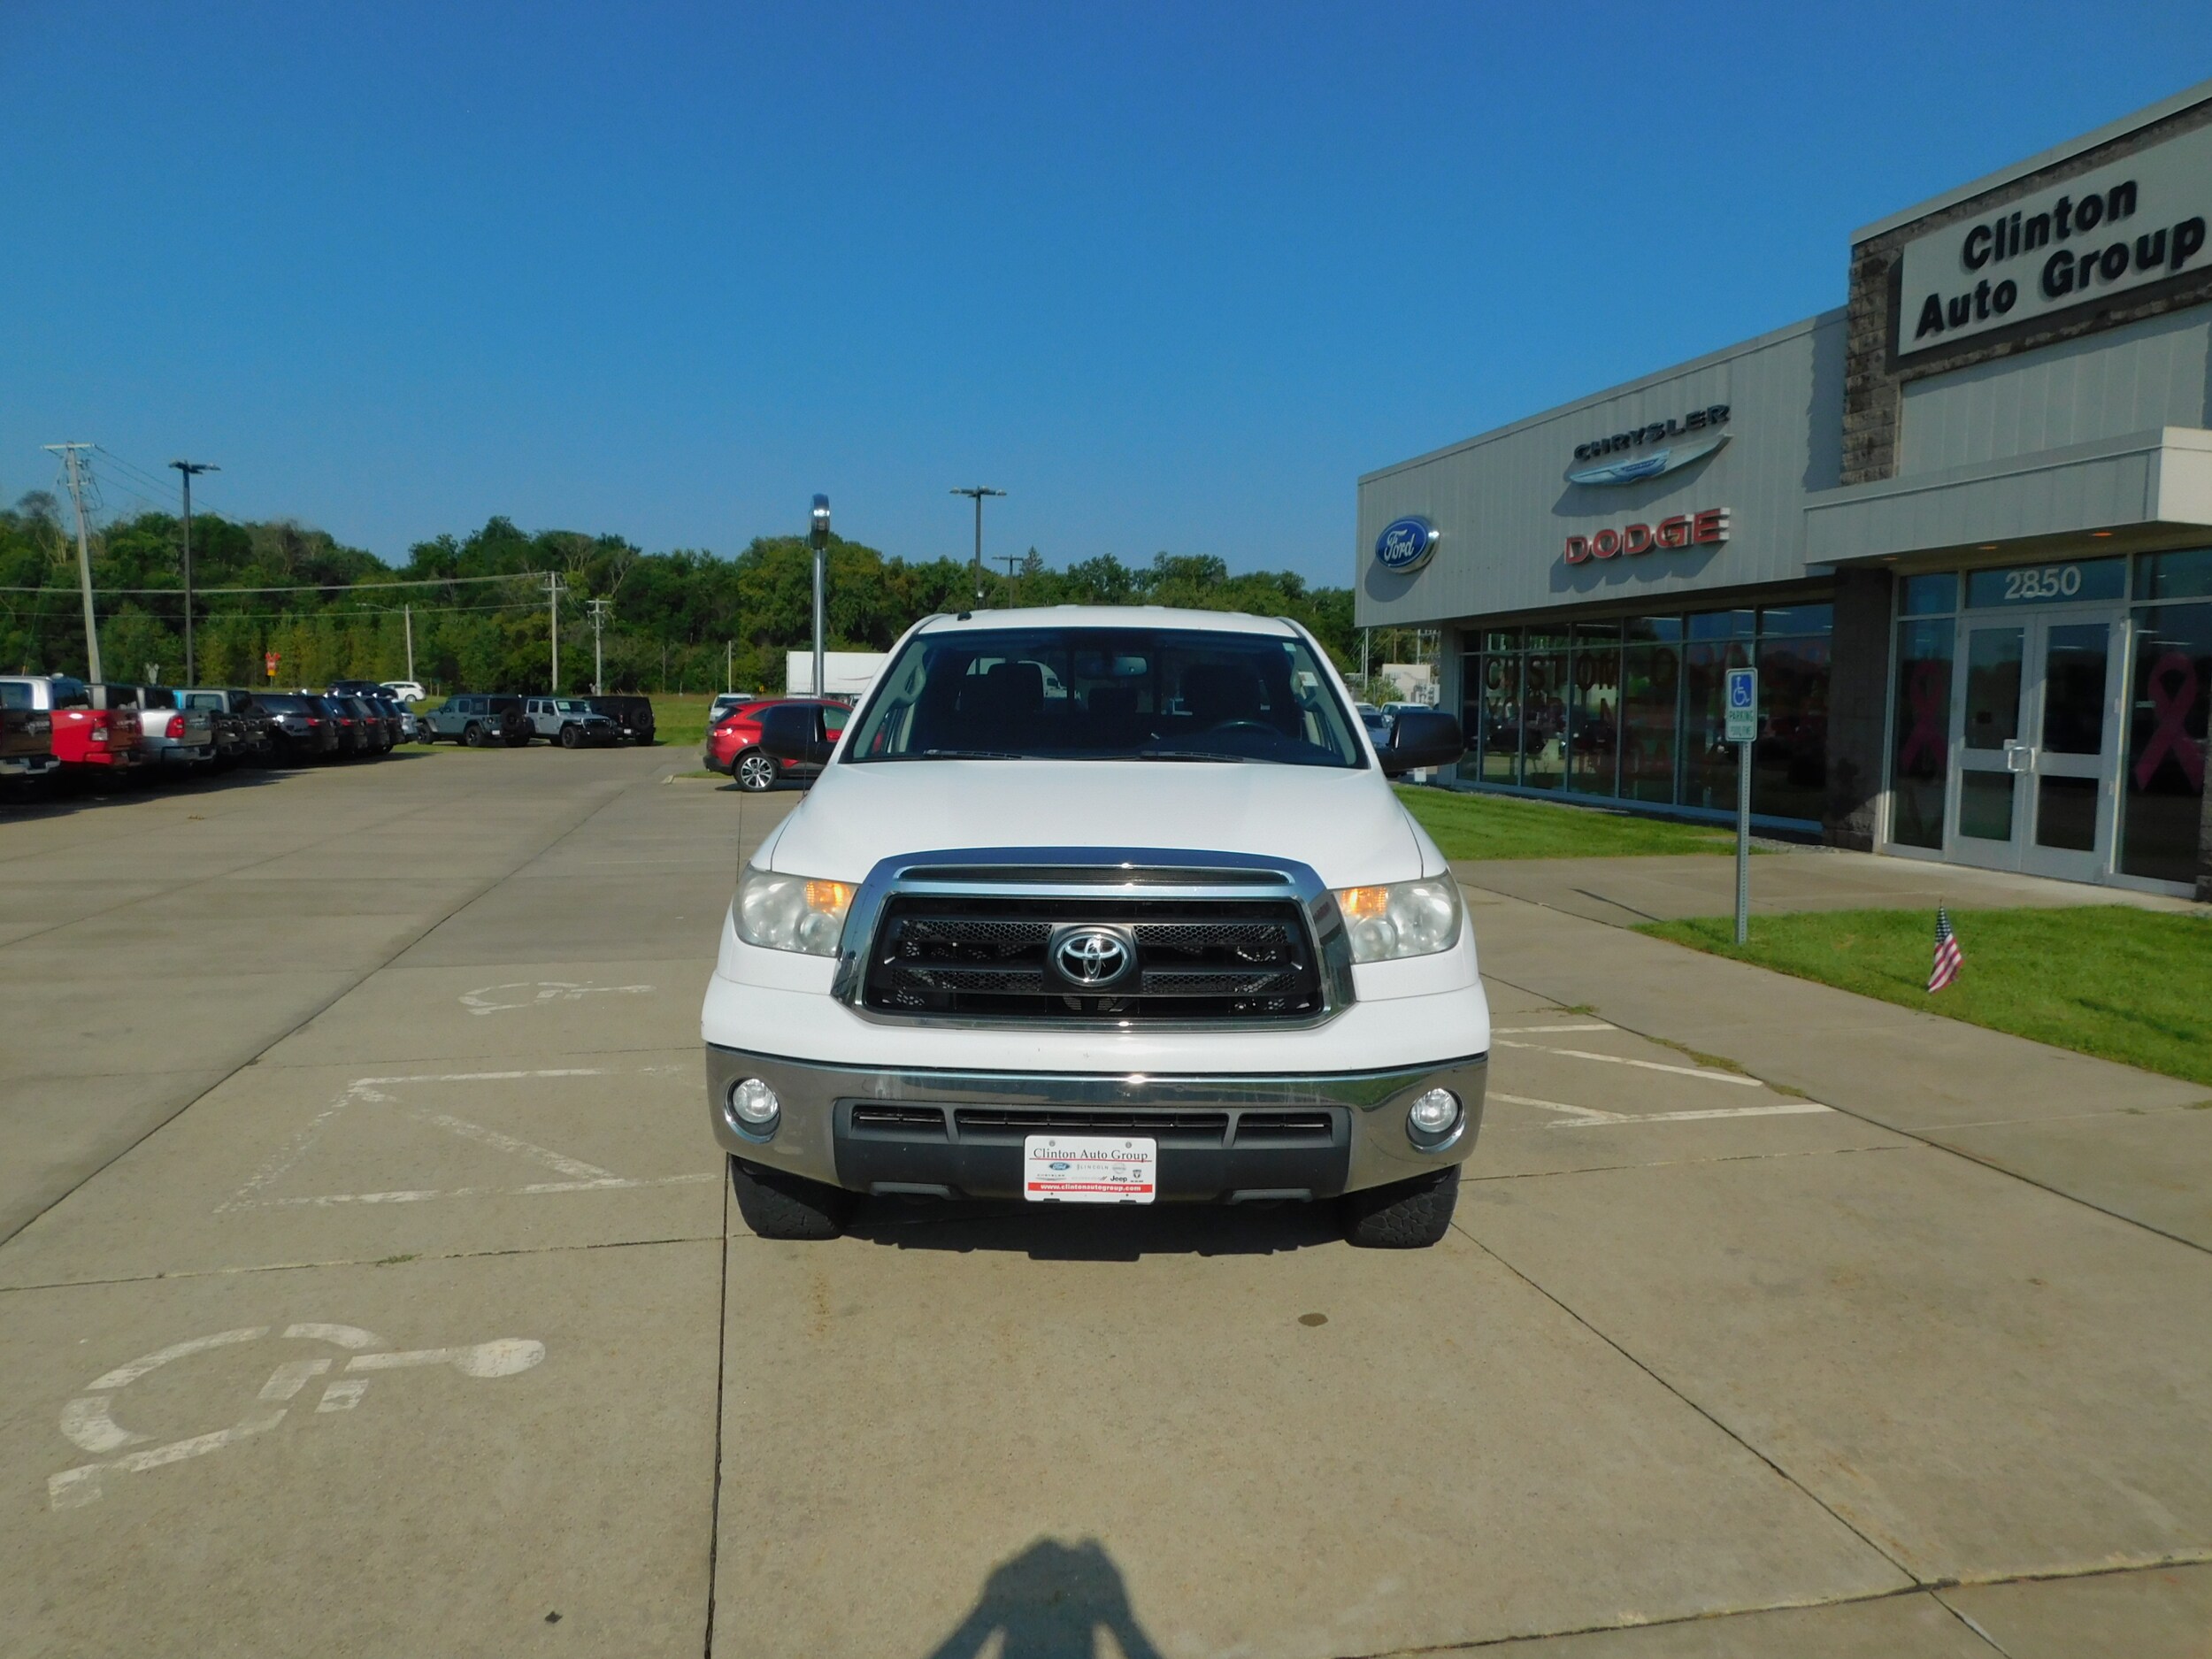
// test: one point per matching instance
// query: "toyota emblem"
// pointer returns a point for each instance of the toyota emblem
(1091, 957)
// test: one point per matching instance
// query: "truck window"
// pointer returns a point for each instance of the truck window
(1089, 694)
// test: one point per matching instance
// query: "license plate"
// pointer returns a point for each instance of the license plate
(1089, 1169)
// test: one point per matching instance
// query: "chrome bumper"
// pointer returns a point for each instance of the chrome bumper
(808, 1131)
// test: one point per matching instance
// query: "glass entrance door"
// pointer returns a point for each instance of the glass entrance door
(2036, 740)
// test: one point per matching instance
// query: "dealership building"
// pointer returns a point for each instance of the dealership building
(1963, 528)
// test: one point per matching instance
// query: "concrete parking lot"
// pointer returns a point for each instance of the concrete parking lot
(370, 1286)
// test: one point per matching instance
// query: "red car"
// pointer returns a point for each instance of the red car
(734, 745)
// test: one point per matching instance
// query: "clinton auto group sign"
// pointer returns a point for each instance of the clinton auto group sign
(2122, 226)
(1707, 528)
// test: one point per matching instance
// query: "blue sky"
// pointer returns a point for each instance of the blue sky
(1173, 275)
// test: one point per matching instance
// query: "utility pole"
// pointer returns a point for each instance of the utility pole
(1010, 560)
(598, 608)
(407, 617)
(69, 453)
(553, 599)
(977, 492)
(191, 470)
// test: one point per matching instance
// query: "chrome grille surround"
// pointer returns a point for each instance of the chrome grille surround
(1133, 876)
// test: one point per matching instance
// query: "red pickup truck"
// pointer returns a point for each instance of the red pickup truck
(88, 742)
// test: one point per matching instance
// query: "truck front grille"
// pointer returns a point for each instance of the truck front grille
(985, 955)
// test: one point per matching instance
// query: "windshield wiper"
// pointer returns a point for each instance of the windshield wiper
(959, 754)
(1189, 754)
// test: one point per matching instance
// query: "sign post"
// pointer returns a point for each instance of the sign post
(269, 660)
(1743, 731)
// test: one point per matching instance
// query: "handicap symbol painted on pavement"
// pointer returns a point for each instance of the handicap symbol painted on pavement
(90, 1420)
(499, 999)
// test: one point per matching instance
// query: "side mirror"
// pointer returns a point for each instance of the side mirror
(1421, 740)
(794, 731)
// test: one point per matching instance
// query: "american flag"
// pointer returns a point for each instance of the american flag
(1949, 958)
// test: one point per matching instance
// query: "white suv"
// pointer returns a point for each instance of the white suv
(1100, 906)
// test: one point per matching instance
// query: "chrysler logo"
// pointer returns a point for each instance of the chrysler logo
(1090, 956)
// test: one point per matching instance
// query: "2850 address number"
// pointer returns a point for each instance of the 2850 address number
(2049, 582)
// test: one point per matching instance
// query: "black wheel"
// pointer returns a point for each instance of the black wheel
(1403, 1215)
(754, 771)
(472, 735)
(570, 737)
(779, 1206)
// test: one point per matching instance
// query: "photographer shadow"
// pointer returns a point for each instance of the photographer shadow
(1049, 1603)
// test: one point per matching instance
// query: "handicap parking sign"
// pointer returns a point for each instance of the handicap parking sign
(1743, 705)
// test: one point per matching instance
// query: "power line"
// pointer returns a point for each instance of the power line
(319, 587)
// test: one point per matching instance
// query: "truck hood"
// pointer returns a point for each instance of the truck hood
(1346, 826)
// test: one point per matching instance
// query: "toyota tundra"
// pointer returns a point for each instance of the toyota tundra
(1099, 905)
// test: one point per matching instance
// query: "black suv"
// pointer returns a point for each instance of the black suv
(479, 718)
(632, 716)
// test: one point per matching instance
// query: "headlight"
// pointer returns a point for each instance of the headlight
(791, 912)
(1407, 918)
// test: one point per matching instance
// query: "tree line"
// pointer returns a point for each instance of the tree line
(672, 622)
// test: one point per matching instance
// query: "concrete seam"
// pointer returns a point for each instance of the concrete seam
(1970, 1624)
(1928, 1140)
(355, 1261)
(324, 1007)
(1780, 1473)
(721, 1367)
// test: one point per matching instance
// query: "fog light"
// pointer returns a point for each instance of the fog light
(753, 1105)
(1432, 1117)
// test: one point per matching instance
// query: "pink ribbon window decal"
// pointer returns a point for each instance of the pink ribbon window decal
(1927, 691)
(2173, 687)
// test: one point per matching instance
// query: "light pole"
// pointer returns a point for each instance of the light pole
(977, 492)
(191, 470)
(818, 536)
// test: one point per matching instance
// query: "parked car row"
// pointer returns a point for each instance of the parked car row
(57, 726)
(488, 719)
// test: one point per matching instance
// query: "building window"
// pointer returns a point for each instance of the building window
(1651, 685)
(2169, 684)
(1501, 707)
(1789, 763)
(1594, 709)
(1920, 730)
(1719, 641)
(1546, 680)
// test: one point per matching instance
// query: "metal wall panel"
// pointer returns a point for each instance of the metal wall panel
(2153, 374)
(1505, 508)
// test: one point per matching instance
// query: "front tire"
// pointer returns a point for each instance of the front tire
(779, 1206)
(1403, 1215)
(754, 771)
(570, 737)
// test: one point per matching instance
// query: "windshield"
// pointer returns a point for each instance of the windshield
(1098, 694)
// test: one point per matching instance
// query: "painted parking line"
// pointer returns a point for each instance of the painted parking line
(1590, 1117)
(1641, 1065)
(1525, 1031)
(581, 1176)
(88, 1421)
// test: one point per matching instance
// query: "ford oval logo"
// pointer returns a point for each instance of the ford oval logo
(1406, 544)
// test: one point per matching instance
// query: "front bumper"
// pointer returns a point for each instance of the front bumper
(932, 1151)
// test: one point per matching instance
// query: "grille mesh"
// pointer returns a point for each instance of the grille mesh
(1198, 960)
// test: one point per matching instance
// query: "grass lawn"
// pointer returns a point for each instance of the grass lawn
(1500, 827)
(682, 718)
(2126, 985)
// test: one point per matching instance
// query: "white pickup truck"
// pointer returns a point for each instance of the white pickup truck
(1099, 905)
